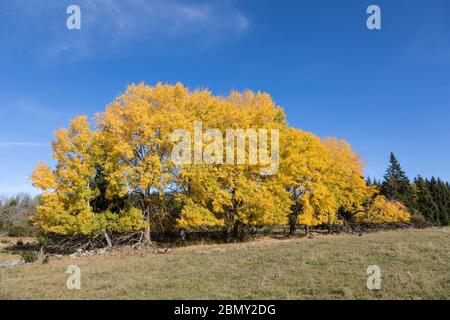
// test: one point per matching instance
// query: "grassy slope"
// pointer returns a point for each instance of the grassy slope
(414, 264)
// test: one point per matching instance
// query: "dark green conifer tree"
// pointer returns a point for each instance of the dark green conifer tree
(396, 185)
(424, 201)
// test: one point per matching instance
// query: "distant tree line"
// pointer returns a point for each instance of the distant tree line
(15, 214)
(427, 199)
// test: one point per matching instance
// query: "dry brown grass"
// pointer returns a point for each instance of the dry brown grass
(415, 264)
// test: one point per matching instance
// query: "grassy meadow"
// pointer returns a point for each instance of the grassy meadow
(415, 264)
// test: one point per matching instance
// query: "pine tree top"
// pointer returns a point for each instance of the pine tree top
(395, 171)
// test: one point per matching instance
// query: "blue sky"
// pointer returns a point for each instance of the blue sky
(382, 90)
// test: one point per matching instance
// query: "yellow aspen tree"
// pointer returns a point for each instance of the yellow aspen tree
(231, 194)
(304, 172)
(382, 210)
(346, 179)
(65, 206)
(130, 156)
(136, 131)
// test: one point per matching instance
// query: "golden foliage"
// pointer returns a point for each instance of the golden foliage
(382, 210)
(132, 147)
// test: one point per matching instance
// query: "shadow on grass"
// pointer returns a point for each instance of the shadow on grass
(56, 244)
(28, 251)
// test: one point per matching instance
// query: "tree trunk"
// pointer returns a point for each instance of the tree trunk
(147, 230)
(183, 235)
(41, 254)
(292, 224)
(108, 239)
(237, 230)
(228, 233)
(329, 224)
(230, 216)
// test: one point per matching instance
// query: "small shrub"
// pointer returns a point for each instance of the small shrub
(418, 219)
(44, 240)
(19, 231)
(46, 259)
(28, 256)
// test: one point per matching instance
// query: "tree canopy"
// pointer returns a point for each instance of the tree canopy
(118, 174)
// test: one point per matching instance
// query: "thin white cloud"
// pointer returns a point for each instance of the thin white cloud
(23, 144)
(113, 25)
